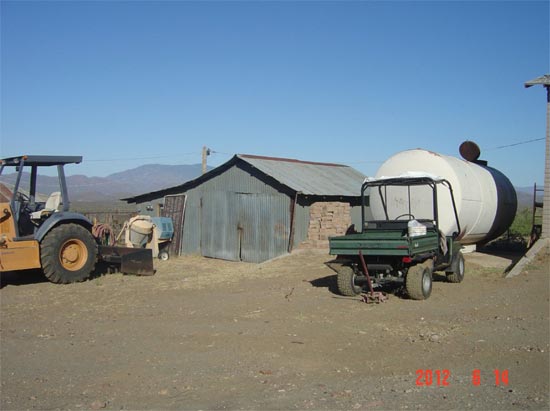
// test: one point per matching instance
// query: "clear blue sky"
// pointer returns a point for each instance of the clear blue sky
(347, 82)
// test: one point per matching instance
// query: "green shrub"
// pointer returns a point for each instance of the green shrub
(522, 222)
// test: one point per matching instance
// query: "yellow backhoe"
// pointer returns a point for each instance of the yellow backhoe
(47, 235)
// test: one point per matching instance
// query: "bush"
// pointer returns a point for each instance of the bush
(523, 222)
(517, 236)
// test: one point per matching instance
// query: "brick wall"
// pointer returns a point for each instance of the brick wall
(326, 219)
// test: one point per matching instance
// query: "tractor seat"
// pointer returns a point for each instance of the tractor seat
(52, 204)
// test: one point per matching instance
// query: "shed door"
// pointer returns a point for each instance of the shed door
(219, 235)
(264, 225)
(174, 207)
(245, 227)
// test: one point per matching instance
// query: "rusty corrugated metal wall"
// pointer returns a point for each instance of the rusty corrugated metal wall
(301, 224)
(265, 223)
(219, 225)
(236, 217)
(252, 227)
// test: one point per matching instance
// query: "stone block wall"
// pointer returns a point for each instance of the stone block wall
(326, 219)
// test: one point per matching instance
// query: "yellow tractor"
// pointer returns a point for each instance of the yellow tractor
(45, 234)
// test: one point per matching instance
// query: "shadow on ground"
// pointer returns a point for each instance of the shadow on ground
(22, 277)
(330, 282)
(501, 256)
(36, 276)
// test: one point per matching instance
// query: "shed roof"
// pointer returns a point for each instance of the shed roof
(309, 178)
(303, 177)
(543, 80)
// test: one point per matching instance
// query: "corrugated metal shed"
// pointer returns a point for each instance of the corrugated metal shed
(254, 208)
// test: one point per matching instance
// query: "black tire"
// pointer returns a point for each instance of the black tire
(68, 254)
(457, 269)
(418, 282)
(346, 282)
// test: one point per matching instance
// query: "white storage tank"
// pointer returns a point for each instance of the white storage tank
(485, 199)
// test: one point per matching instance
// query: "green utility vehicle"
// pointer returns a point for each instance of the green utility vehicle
(403, 248)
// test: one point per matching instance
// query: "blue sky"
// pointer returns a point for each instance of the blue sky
(347, 82)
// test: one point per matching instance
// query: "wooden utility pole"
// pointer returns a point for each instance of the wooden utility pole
(545, 82)
(205, 153)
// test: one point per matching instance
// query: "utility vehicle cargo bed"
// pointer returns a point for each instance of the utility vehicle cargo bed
(384, 242)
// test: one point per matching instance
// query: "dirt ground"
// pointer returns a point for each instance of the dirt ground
(206, 334)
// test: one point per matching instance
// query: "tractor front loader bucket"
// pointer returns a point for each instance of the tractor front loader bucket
(138, 261)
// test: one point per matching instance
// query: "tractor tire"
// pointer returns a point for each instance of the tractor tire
(346, 282)
(457, 269)
(68, 254)
(418, 282)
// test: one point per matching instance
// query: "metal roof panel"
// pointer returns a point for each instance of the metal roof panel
(305, 177)
(543, 80)
(310, 178)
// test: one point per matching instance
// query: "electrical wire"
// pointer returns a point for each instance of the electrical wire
(518, 143)
(140, 158)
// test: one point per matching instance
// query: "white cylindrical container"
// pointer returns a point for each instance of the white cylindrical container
(141, 228)
(485, 199)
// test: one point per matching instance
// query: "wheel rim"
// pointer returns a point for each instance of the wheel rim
(73, 254)
(426, 282)
(358, 288)
(461, 267)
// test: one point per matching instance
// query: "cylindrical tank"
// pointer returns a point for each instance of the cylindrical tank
(485, 199)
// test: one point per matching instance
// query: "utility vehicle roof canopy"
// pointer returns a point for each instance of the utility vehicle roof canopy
(410, 176)
(405, 181)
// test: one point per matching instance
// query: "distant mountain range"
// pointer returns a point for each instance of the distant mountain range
(140, 180)
(151, 177)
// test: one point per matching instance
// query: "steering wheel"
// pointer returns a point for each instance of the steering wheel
(22, 197)
(24, 204)
(405, 215)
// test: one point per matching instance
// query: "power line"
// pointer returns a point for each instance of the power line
(517, 144)
(95, 160)
(196, 153)
(140, 158)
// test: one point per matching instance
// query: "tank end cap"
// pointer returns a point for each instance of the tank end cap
(469, 151)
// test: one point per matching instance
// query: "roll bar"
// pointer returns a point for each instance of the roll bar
(408, 182)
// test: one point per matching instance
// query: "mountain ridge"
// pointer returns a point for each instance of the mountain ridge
(128, 183)
(147, 178)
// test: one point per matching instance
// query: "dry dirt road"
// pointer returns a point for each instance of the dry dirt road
(209, 334)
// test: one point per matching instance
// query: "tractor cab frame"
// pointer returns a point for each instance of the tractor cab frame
(44, 233)
(29, 211)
